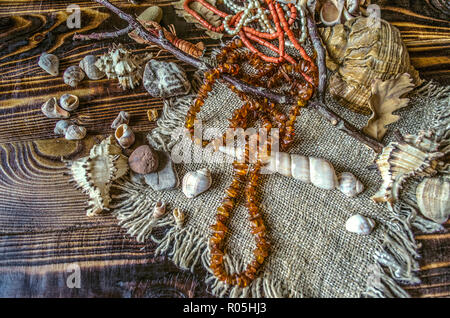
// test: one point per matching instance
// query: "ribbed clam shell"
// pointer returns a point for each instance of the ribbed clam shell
(51, 109)
(359, 224)
(75, 132)
(73, 75)
(69, 102)
(196, 182)
(349, 184)
(433, 199)
(87, 64)
(49, 63)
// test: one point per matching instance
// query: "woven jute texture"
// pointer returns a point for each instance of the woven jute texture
(312, 255)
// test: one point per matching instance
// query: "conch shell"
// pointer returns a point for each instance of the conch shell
(433, 199)
(196, 182)
(95, 173)
(51, 109)
(361, 51)
(125, 136)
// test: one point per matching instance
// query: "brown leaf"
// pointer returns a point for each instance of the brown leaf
(208, 15)
(385, 99)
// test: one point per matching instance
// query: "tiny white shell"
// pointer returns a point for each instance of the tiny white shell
(49, 63)
(69, 102)
(159, 210)
(75, 132)
(125, 136)
(73, 75)
(349, 184)
(322, 173)
(196, 182)
(359, 224)
(51, 109)
(61, 126)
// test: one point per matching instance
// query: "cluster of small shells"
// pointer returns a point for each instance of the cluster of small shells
(121, 64)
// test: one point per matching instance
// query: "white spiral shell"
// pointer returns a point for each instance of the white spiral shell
(349, 185)
(196, 182)
(359, 224)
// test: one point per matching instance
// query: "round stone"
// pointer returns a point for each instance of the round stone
(143, 160)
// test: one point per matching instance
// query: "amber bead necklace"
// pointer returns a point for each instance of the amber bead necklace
(269, 75)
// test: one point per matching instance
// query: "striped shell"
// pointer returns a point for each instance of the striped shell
(433, 199)
(360, 51)
(95, 173)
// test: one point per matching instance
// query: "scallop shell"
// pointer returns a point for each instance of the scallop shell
(69, 102)
(87, 64)
(159, 210)
(349, 184)
(359, 52)
(75, 132)
(196, 182)
(73, 75)
(122, 118)
(61, 126)
(433, 199)
(359, 224)
(95, 173)
(179, 217)
(125, 136)
(51, 109)
(49, 63)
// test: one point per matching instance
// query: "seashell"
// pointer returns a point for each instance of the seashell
(61, 127)
(165, 79)
(313, 170)
(69, 102)
(124, 135)
(179, 217)
(359, 224)
(95, 173)
(196, 182)
(49, 63)
(153, 13)
(87, 64)
(152, 114)
(159, 210)
(331, 12)
(413, 156)
(75, 132)
(119, 63)
(73, 75)
(143, 160)
(433, 199)
(349, 185)
(51, 109)
(359, 52)
(122, 118)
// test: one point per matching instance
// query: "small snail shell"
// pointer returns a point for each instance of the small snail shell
(159, 210)
(152, 114)
(179, 217)
(87, 64)
(61, 127)
(125, 136)
(349, 185)
(73, 75)
(75, 132)
(51, 109)
(69, 102)
(359, 224)
(196, 182)
(331, 12)
(433, 199)
(49, 63)
(122, 118)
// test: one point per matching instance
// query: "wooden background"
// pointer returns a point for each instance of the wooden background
(43, 227)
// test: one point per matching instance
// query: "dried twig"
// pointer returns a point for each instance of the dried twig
(105, 35)
(157, 37)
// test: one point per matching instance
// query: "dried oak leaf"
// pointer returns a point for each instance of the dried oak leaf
(208, 15)
(385, 99)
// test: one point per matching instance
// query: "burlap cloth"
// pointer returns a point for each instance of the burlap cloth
(312, 255)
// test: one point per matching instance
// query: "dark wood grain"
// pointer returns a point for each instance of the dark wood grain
(43, 227)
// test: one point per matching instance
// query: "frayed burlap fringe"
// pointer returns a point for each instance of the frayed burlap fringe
(396, 258)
